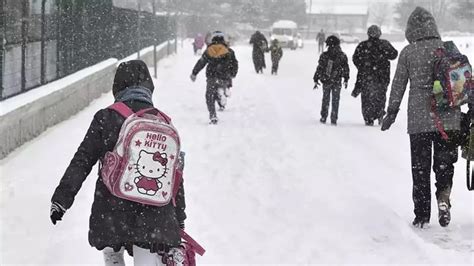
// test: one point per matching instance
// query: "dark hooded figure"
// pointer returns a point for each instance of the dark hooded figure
(415, 64)
(321, 38)
(276, 53)
(332, 69)
(260, 46)
(222, 67)
(371, 58)
(116, 224)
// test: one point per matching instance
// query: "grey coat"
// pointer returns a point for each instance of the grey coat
(415, 64)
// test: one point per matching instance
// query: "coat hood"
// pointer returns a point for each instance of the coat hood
(421, 24)
(217, 50)
(132, 73)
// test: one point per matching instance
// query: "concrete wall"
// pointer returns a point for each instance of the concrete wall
(71, 95)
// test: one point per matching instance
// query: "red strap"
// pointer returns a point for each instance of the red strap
(437, 120)
(122, 109)
(146, 110)
(198, 248)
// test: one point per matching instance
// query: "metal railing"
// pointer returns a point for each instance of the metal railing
(44, 40)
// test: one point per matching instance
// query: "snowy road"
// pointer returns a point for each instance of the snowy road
(268, 185)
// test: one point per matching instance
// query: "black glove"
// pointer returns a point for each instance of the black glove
(181, 225)
(389, 119)
(57, 212)
(316, 84)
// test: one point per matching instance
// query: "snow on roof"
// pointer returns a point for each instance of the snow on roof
(339, 9)
(285, 24)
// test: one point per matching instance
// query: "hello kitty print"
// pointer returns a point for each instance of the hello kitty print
(150, 167)
(142, 167)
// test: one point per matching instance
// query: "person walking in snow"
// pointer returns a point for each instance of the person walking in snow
(415, 64)
(321, 38)
(332, 68)
(147, 232)
(198, 43)
(371, 58)
(222, 67)
(260, 46)
(276, 53)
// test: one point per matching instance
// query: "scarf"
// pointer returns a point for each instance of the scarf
(137, 93)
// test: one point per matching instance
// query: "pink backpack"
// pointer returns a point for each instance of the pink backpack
(144, 165)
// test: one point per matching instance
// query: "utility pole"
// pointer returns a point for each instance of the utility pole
(309, 18)
(2, 43)
(43, 42)
(138, 31)
(154, 38)
(24, 42)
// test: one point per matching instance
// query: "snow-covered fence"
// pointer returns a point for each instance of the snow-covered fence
(26, 116)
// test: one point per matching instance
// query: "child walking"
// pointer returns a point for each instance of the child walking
(222, 67)
(276, 53)
(150, 233)
(332, 68)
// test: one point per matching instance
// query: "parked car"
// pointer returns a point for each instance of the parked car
(348, 38)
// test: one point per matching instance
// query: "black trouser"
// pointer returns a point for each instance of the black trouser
(335, 90)
(275, 63)
(212, 95)
(445, 155)
(373, 99)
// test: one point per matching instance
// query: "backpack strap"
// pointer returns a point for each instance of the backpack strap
(197, 248)
(122, 109)
(125, 111)
(437, 120)
(158, 112)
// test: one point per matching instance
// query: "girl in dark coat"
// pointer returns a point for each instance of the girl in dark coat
(116, 224)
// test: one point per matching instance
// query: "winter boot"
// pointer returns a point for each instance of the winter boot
(322, 120)
(334, 122)
(213, 120)
(369, 123)
(421, 222)
(444, 206)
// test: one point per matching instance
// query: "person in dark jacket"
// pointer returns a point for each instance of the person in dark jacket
(276, 53)
(222, 67)
(116, 223)
(321, 38)
(371, 58)
(415, 64)
(332, 68)
(260, 46)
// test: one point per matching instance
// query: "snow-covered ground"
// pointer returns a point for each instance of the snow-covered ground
(268, 185)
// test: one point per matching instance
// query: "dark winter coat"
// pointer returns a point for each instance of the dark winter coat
(220, 60)
(260, 45)
(115, 222)
(276, 52)
(371, 58)
(340, 67)
(415, 64)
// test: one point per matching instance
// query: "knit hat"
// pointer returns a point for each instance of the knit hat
(332, 41)
(374, 31)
